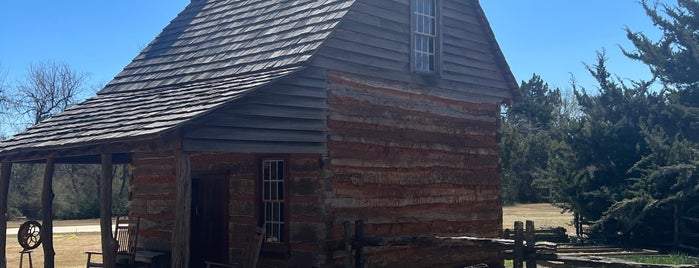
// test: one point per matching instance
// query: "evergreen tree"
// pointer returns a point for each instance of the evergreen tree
(666, 176)
(632, 155)
(525, 141)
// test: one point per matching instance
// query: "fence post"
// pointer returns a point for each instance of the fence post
(530, 252)
(577, 223)
(359, 236)
(348, 244)
(518, 251)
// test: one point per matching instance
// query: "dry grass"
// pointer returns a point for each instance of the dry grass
(70, 248)
(543, 215)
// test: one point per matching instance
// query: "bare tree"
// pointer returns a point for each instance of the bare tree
(4, 88)
(48, 88)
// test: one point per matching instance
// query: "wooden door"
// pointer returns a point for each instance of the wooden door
(209, 234)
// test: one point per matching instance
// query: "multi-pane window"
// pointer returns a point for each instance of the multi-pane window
(273, 175)
(424, 35)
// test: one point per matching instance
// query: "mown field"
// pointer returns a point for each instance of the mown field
(543, 215)
(70, 248)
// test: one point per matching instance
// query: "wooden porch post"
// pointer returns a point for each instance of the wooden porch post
(183, 203)
(4, 191)
(47, 196)
(108, 242)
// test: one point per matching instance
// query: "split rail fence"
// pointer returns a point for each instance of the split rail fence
(523, 249)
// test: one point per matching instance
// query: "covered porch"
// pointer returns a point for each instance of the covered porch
(106, 155)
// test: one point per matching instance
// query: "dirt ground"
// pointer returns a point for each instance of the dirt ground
(543, 215)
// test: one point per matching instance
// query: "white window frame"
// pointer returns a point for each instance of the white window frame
(425, 41)
(273, 197)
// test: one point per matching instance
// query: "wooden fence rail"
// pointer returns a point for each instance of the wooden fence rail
(521, 250)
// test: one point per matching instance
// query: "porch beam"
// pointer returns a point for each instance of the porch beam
(4, 191)
(183, 207)
(108, 242)
(47, 196)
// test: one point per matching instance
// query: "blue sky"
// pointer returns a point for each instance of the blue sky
(548, 37)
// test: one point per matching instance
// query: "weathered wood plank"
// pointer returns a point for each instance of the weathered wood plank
(264, 122)
(183, 203)
(196, 145)
(363, 58)
(253, 134)
(271, 99)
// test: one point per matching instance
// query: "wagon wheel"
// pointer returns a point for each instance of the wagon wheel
(29, 235)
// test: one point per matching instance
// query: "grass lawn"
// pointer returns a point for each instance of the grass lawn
(671, 259)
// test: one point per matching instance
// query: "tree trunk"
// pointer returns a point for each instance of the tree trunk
(4, 191)
(108, 242)
(47, 215)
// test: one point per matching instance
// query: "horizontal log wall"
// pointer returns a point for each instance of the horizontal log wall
(153, 195)
(412, 164)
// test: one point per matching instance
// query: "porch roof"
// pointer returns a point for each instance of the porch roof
(122, 116)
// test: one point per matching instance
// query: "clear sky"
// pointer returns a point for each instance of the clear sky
(548, 37)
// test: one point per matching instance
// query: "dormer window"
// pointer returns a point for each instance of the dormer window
(424, 25)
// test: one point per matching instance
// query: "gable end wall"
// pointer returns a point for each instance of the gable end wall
(374, 39)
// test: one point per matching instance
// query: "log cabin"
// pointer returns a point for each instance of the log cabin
(298, 116)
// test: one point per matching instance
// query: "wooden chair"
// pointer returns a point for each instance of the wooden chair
(126, 235)
(251, 254)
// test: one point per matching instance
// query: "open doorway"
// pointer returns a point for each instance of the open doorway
(209, 233)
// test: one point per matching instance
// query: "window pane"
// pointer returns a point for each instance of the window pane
(275, 211)
(273, 168)
(266, 191)
(430, 47)
(281, 212)
(431, 66)
(428, 7)
(280, 170)
(281, 231)
(268, 230)
(265, 170)
(268, 212)
(275, 233)
(418, 61)
(280, 191)
(420, 26)
(274, 191)
(425, 62)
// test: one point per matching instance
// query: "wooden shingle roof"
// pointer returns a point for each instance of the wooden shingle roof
(214, 39)
(213, 52)
(131, 115)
